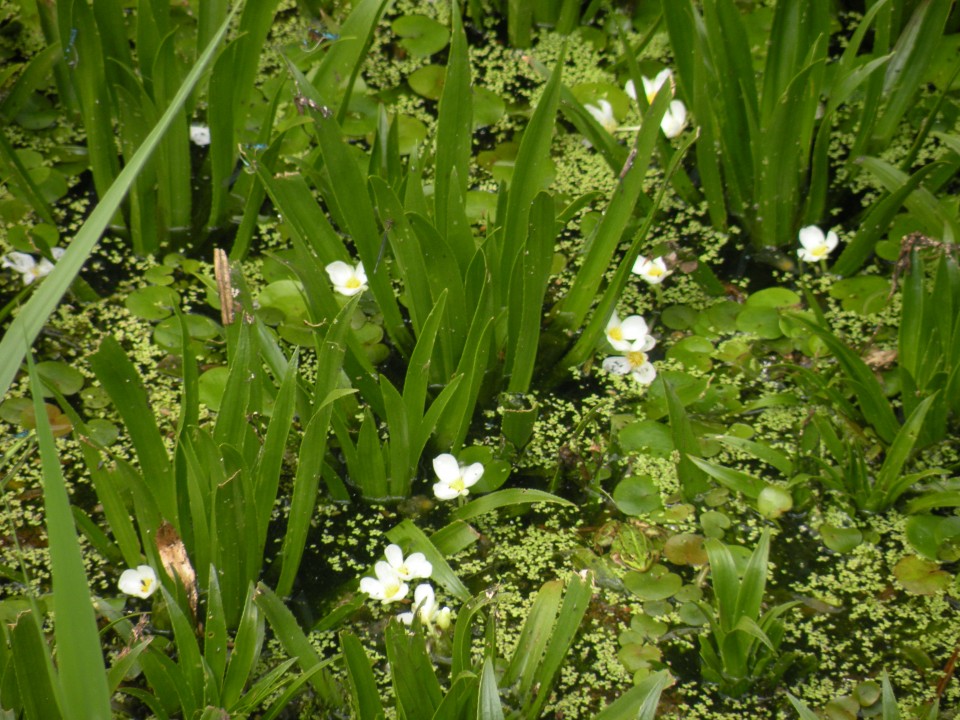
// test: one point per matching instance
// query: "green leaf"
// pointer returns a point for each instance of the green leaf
(82, 675)
(364, 693)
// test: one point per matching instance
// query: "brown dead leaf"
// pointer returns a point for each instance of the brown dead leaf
(173, 554)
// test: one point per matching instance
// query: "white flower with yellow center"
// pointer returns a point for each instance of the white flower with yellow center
(414, 566)
(603, 114)
(623, 334)
(816, 245)
(347, 280)
(654, 271)
(140, 581)
(455, 479)
(29, 268)
(387, 586)
(635, 347)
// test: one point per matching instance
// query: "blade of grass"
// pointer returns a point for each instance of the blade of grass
(82, 674)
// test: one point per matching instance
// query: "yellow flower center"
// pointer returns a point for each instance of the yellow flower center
(636, 358)
(819, 251)
(654, 271)
(145, 585)
(352, 283)
(458, 485)
(616, 333)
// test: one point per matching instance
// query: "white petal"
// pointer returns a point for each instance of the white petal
(199, 134)
(423, 595)
(832, 241)
(360, 273)
(630, 89)
(446, 467)
(471, 474)
(371, 587)
(640, 265)
(58, 252)
(634, 328)
(645, 374)
(394, 556)
(617, 365)
(419, 566)
(811, 237)
(21, 262)
(675, 119)
(339, 272)
(406, 618)
(43, 268)
(443, 491)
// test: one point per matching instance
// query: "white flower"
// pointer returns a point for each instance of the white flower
(455, 479)
(415, 566)
(675, 119)
(623, 335)
(816, 247)
(652, 87)
(29, 268)
(654, 271)
(425, 605)
(199, 134)
(140, 582)
(604, 115)
(387, 587)
(635, 345)
(347, 280)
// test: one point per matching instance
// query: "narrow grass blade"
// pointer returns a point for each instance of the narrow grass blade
(364, 693)
(83, 677)
(296, 644)
(873, 402)
(454, 130)
(639, 702)
(489, 706)
(505, 498)
(415, 681)
(40, 690)
(246, 650)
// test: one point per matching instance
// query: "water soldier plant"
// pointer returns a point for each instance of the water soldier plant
(483, 408)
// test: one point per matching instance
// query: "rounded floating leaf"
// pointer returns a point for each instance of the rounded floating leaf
(841, 540)
(679, 317)
(647, 435)
(694, 352)
(420, 35)
(657, 583)
(842, 708)
(159, 275)
(723, 316)
(103, 432)
(867, 693)
(12, 409)
(95, 397)
(636, 656)
(864, 294)
(774, 297)
(411, 132)
(488, 107)
(714, 523)
(774, 501)
(211, 386)
(65, 379)
(154, 302)
(762, 321)
(285, 296)
(691, 614)
(428, 81)
(199, 327)
(637, 495)
(685, 549)
(648, 626)
(921, 577)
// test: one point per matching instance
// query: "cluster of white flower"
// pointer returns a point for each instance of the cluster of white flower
(631, 337)
(455, 479)
(347, 280)
(390, 585)
(674, 120)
